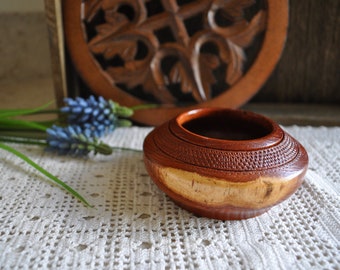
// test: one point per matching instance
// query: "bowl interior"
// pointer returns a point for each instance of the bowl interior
(227, 125)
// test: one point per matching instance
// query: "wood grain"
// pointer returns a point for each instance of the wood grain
(230, 178)
(309, 69)
(56, 40)
(188, 65)
(308, 72)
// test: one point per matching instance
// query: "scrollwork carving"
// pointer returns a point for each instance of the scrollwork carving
(171, 51)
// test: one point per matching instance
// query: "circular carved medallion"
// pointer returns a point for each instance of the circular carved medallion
(180, 54)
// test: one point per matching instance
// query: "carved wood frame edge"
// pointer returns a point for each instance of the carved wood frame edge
(237, 95)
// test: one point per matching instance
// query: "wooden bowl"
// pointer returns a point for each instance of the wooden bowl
(223, 163)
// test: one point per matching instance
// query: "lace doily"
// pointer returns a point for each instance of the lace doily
(135, 226)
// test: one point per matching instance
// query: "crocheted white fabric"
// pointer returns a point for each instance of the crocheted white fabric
(135, 226)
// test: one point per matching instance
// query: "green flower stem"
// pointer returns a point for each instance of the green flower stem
(126, 149)
(101, 148)
(11, 113)
(44, 172)
(23, 134)
(105, 149)
(124, 123)
(144, 106)
(52, 111)
(17, 124)
(22, 140)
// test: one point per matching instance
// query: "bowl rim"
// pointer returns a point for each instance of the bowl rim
(272, 138)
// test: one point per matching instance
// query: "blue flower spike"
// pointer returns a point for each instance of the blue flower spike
(99, 115)
(74, 140)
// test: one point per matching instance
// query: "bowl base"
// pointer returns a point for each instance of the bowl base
(222, 213)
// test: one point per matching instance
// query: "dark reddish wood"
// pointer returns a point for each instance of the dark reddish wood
(232, 146)
(309, 44)
(130, 39)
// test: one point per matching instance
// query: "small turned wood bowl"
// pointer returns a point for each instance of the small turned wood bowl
(224, 164)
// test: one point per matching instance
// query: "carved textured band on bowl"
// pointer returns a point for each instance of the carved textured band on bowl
(225, 178)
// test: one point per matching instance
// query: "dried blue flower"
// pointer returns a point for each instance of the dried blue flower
(75, 140)
(98, 115)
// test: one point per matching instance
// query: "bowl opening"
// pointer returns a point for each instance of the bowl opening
(228, 125)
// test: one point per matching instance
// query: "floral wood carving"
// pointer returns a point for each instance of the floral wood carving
(178, 52)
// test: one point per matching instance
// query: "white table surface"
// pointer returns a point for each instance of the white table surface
(135, 226)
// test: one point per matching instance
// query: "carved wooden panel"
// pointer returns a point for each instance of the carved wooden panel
(177, 53)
